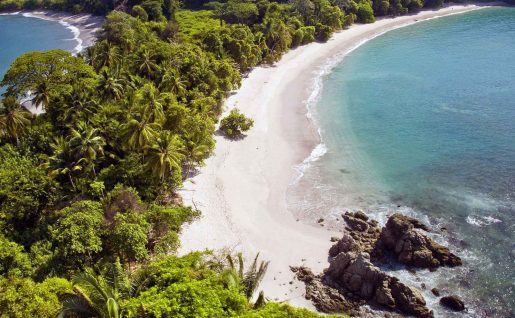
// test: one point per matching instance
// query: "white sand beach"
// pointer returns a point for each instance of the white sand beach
(241, 190)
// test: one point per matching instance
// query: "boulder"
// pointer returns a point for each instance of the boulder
(402, 235)
(452, 302)
(324, 298)
(353, 272)
(344, 245)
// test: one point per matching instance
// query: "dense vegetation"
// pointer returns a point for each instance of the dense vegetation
(89, 217)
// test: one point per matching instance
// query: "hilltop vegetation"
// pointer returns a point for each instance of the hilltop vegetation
(87, 189)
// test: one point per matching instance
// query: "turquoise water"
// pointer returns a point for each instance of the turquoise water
(19, 34)
(422, 120)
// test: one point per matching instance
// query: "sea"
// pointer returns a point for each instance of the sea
(421, 121)
(21, 33)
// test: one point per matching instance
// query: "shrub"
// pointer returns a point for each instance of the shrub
(235, 124)
(365, 13)
(139, 12)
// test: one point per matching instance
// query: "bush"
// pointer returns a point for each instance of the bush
(235, 124)
(323, 32)
(365, 13)
(139, 12)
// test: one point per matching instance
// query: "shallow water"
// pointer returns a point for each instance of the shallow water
(423, 118)
(19, 34)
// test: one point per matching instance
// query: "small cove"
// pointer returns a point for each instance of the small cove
(422, 120)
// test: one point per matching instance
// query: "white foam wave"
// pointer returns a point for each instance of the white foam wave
(75, 30)
(481, 220)
(318, 152)
(11, 13)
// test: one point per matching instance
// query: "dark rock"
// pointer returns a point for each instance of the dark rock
(452, 302)
(362, 234)
(324, 298)
(412, 247)
(334, 239)
(320, 220)
(345, 244)
(435, 292)
(355, 273)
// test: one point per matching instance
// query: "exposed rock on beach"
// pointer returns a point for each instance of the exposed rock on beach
(354, 278)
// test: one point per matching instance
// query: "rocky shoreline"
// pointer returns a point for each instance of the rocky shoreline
(354, 277)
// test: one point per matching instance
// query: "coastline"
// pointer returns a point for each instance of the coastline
(83, 26)
(242, 189)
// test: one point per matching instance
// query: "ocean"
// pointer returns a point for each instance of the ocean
(421, 120)
(21, 34)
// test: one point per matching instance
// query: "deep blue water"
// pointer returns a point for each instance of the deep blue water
(424, 117)
(19, 34)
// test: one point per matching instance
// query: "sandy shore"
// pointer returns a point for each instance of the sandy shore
(241, 190)
(83, 26)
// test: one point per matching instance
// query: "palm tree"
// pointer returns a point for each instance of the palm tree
(106, 55)
(86, 144)
(138, 132)
(14, 118)
(247, 281)
(95, 296)
(171, 81)
(196, 148)
(152, 103)
(62, 161)
(165, 155)
(79, 105)
(41, 95)
(147, 64)
(110, 85)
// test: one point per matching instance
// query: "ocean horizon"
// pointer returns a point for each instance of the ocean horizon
(421, 120)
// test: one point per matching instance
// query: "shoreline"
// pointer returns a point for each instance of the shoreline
(83, 25)
(241, 190)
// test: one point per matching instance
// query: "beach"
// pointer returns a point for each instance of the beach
(241, 190)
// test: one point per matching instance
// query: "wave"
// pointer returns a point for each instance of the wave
(481, 220)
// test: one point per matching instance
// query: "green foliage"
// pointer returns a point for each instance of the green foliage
(13, 260)
(140, 13)
(22, 297)
(235, 124)
(194, 23)
(50, 73)
(277, 310)
(365, 13)
(185, 287)
(247, 281)
(129, 235)
(96, 295)
(25, 193)
(77, 232)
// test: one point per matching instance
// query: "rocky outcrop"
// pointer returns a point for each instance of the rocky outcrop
(352, 278)
(324, 298)
(353, 272)
(403, 236)
(452, 302)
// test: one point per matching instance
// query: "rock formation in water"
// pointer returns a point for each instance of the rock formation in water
(403, 236)
(352, 279)
(452, 302)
